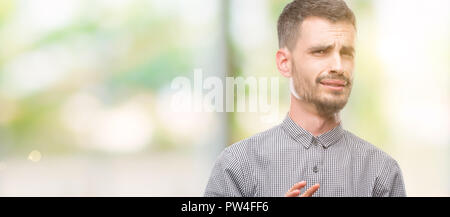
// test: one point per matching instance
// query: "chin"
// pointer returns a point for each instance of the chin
(332, 104)
(337, 97)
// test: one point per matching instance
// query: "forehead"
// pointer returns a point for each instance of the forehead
(315, 30)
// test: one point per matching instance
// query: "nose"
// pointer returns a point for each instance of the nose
(336, 64)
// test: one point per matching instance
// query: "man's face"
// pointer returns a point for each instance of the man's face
(323, 62)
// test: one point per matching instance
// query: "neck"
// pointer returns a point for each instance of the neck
(305, 115)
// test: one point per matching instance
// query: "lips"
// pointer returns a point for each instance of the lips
(333, 84)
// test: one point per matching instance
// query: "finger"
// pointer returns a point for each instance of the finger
(293, 193)
(298, 186)
(295, 190)
(311, 191)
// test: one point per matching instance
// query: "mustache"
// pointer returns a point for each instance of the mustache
(335, 77)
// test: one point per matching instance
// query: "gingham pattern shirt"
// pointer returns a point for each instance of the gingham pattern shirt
(270, 163)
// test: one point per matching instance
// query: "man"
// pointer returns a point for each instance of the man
(310, 149)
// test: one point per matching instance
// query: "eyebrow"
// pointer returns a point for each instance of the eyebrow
(346, 49)
(321, 47)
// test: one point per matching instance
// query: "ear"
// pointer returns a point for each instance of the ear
(283, 59)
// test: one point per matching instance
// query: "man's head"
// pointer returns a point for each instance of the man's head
(316, 39)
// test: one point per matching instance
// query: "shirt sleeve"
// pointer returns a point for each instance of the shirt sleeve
(227, 178)
(390, 182)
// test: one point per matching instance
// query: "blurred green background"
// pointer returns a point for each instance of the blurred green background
(85, 91)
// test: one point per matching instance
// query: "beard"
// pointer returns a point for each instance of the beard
(326, 102)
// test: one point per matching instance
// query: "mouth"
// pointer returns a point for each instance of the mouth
(333, 84)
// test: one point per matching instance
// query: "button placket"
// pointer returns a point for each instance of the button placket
(318, 156)
(315, 164)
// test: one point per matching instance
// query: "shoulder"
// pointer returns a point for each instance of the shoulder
(256, 143)
(385, 169)
(368, 151)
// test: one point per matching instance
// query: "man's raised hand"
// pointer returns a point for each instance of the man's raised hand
(296, 190)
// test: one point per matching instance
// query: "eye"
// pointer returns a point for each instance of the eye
(348, 54)
(319, 52)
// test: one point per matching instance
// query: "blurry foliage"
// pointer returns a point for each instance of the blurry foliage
(37, 125)
(6, 7)
(152, 57)
(157, 71)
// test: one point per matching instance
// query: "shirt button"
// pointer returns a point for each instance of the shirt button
(315, 169)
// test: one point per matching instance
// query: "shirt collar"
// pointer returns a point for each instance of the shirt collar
(305, 138)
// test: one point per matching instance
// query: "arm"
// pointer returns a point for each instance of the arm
(390, 181)
(227, 178)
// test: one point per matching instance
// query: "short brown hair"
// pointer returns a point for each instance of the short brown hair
(295, 12)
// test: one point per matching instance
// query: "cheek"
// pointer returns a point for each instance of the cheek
(309, 70)
(349, 65)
